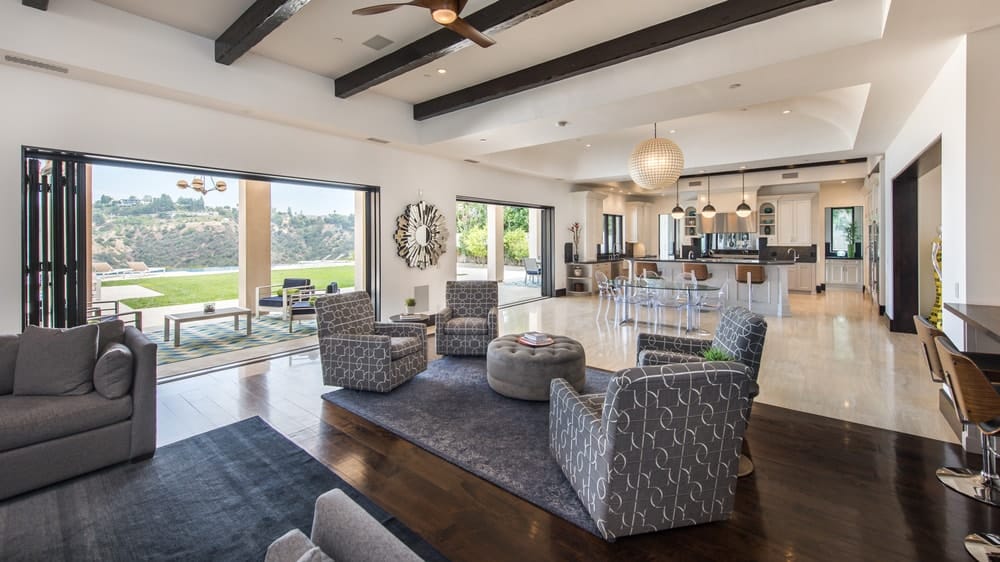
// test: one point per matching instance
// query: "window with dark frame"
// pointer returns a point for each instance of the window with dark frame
(614, 235)
(841, 223)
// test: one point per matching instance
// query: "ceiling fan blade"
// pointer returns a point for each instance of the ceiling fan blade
(461, 5)
(382, 8)
(463, 28)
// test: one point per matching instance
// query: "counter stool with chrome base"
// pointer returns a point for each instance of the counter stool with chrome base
(978, 403)
(700, 270)
(751, 275)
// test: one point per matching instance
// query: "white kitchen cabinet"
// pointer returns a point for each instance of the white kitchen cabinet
(843, 272)
(802, 277)
(794, 222)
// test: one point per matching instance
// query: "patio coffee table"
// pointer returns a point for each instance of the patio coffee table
(182, 317)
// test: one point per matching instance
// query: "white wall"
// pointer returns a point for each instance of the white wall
(982, 195)
(56, 112)
(941, 113)
(836, 195)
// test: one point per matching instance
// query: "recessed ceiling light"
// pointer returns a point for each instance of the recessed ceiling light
(843, 181)
(734, 85)
(672, 131)
(562, 123)
(743, 167)
(786, 112)
(482, 140)
(442, 71)
(701, 171)
(338, 39)
(588, 145)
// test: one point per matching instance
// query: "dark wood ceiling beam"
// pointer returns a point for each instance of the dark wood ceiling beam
(494, 18)
(713, 20)
(260, 19)
(42, 5)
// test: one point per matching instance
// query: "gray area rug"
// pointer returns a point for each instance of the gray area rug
(451, 411)
(221, 495)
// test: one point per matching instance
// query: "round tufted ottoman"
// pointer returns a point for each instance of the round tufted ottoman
(524, 372)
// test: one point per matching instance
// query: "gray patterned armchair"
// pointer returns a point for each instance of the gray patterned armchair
(358, 352)
(740, 332)
(659, 450)
(468, 322)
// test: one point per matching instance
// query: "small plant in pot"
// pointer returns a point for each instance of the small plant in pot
(410, 303)
(716, 354)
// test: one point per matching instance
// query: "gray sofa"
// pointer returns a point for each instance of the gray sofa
(341, 530)
(49, 436)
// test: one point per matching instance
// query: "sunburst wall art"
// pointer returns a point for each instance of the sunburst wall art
(421, 236)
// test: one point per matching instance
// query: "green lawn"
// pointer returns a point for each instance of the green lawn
(191, 289)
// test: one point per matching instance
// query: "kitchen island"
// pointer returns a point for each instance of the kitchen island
(770, 298)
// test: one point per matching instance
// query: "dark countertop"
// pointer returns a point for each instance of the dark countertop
(984, 317)
(592, 262)
(720, 261)
(835, 258)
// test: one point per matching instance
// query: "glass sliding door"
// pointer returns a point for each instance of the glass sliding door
(507, 243)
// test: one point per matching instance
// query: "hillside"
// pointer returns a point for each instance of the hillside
(184, 234)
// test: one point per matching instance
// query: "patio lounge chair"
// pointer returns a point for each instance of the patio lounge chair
(269, 299)
(142, 269)
(532, 270)
(103, 269)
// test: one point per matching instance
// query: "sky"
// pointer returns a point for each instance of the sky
(120, 183)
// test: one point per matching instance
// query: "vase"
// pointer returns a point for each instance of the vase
(577, 271)
(408, 309)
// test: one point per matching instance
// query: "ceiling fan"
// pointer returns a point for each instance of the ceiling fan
(445, 12)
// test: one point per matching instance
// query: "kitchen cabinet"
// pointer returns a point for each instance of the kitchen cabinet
(843, 272)
(795, 222)
(767, 216)
(802, 277)
(692, 223)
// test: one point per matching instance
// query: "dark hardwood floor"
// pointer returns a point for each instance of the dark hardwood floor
(823, 489)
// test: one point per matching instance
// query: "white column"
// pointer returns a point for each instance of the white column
(590, 214)
(534, 230)
(255, 239)
(494, 243)
(360, 255)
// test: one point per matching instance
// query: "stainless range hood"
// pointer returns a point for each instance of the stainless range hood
(724, 223)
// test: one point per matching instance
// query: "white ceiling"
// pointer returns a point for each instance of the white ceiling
(849, 70)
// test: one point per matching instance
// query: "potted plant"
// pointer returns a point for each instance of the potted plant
(852, 239)
(410, 303)
(575, 229)
(716, 354)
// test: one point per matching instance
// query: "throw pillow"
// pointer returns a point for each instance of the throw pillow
(53, 362)
(8, 361)
(111, 331)
(314, 554)
(113, 372)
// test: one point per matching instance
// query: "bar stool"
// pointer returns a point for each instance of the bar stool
(751, 275)
(978, 402)
(700, 270)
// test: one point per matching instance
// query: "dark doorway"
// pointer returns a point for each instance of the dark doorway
(905, 248)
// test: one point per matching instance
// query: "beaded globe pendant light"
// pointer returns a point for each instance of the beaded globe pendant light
(708, 211)
(678, 211)
(655, 163)
(743, 210)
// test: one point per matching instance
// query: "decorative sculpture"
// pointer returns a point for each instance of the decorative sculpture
(421, 236)
(935, 316)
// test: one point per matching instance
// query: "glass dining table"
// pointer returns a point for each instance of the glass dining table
(666, 294)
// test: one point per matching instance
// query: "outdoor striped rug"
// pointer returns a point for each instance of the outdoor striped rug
(211, 337)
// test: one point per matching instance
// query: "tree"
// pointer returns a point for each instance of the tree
(515, 245)
(472, 242)
(515, 218)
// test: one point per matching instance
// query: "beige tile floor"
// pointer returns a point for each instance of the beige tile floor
(834, 357)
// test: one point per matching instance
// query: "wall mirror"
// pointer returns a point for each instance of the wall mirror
(421, 236)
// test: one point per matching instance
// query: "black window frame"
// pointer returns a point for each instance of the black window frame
(614, 234)
(833, 211)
